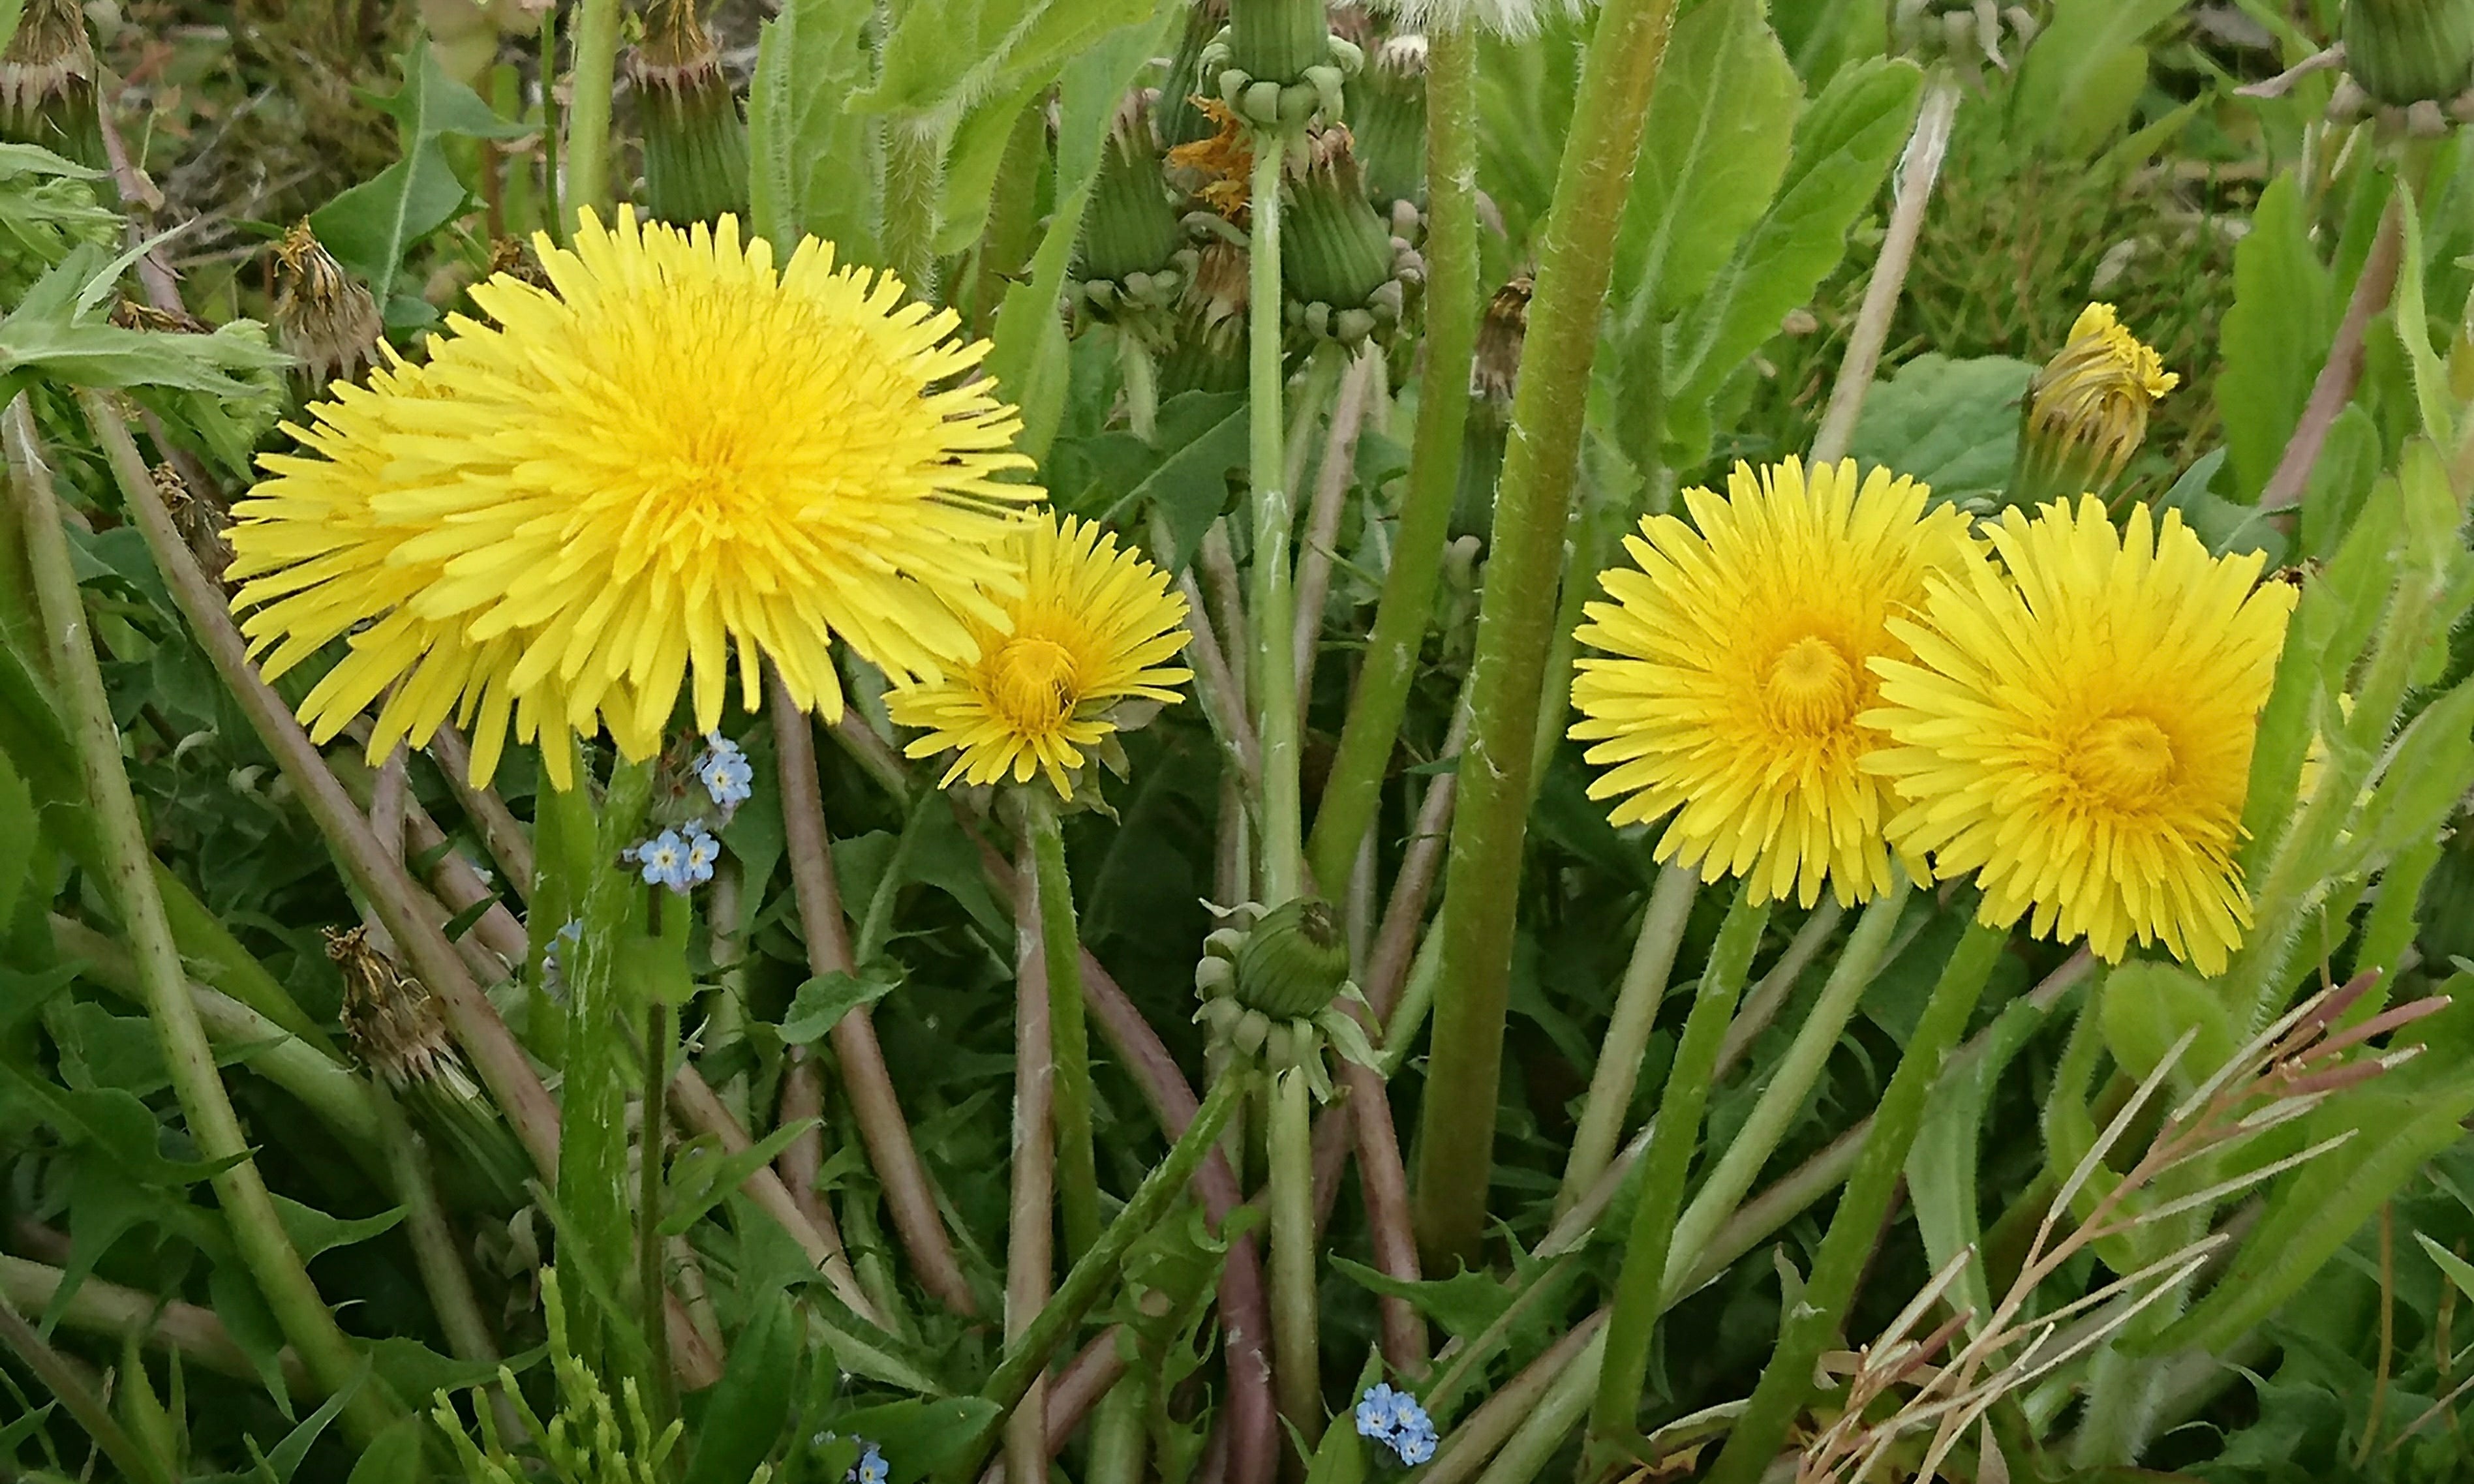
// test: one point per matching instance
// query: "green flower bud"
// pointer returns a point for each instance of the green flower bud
(1345, 276)
(2404, 52)
(1131, 244)
(1388, 115)
(1276, 41)
(695, 139)
(1180, 113)
(2086, 411)
(1294, 960)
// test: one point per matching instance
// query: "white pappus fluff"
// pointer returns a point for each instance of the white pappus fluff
(1514, 20)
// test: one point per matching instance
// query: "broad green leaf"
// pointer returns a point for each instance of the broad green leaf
(2460, 1272)
(744, 1414)
(17, 837)
(394, 1457)
(1029, 360)
(57, 333)
(822, 1000)
(813, 169)
(2349, 462)
(372, 226)
(314, 1231)
(2083, 72)
(2413, 333)
(917, 1437)
(2397, 1123)
(1714, 147)
(2275, 337)
(2148, 1006)
(971, 162)
(2430, 766)
(1844, 145)
(1953, 425)
(944, 52)
(1190, 487)
(2224, 526)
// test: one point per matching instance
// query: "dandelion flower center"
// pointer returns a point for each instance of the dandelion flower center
(1031, 682)
(2126, 762)
(1811, 688)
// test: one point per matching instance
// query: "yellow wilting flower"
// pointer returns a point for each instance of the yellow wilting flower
(1219, 165)
(2087, 410)
(678, 455)
(1092, 630)
(2078, 734)
(1736, 673)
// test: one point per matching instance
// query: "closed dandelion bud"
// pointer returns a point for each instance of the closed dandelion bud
(1388, 115)
(2086, 411)
(695, 139)
(1276, 41)
(47, 94)
(1208, 353)
(324, 317)
(1135, 262)
(1277, 62)
(2405, 52)
(1294, 960)
(1494, 370)
(1346, 277)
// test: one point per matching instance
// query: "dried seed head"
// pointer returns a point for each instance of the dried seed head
(392, 1021)
(325, 318)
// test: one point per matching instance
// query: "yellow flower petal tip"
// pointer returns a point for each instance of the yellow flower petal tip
(677, 455)
(2087, 408)
(1736, 671)
(1092, 629)
(2077, 732)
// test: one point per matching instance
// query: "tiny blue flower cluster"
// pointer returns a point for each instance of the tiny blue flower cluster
(1396, 1420)
(680, 863)
(870, 1469)
(725, 773)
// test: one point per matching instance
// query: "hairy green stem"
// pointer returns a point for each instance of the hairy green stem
(1634, 1313)
(1031, 1226)
(1026, 1357)
(1627, 1037)
(1786, 1381)
(1782, 1102)
(1355, 791)
(915, 177)
(1078, 1170)
(128, 879)
(588, 123)
(1274, 681)
(593, 1132)
(1481, 891)
(652, 1292)
(435, 1252)
(1295, 1336)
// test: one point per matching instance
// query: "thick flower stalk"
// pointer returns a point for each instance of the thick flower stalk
(680, 456)
(2086, 411)
(2076, 730)
(1735, 673)
(1084, 647)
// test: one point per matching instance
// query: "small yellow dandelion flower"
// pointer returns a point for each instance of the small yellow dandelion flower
(1093, 629)
(2087, 410)
(2078, 733)
(1735, 673)
(1220, 165)
(676, 455)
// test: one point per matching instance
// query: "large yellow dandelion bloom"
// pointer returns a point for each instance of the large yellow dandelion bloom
(673, 455)
(1735, 673)
(1093, 629)
(2078, 734)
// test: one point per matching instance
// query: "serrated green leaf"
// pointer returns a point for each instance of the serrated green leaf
(699, 1186)
(918, 1438)
(824, 999)
(2275, 337)
(1844, 145)
(313, 1231)
(813, 168)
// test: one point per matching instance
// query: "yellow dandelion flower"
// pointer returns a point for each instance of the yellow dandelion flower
(2078, 732)
(1092, 629)
(2087, 410)
(674, 455)
(1735, 673)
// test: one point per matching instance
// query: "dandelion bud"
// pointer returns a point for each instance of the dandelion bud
(1347, 278)
(695, 139)
(47, 94)
(1180, 117)
(1494, 370)
(1208, 353)
(1389, 117)
(1294, 960)
(1276, 41)
(2087, 411)
(2405, 52)
(1134, 263)
(324, 318)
